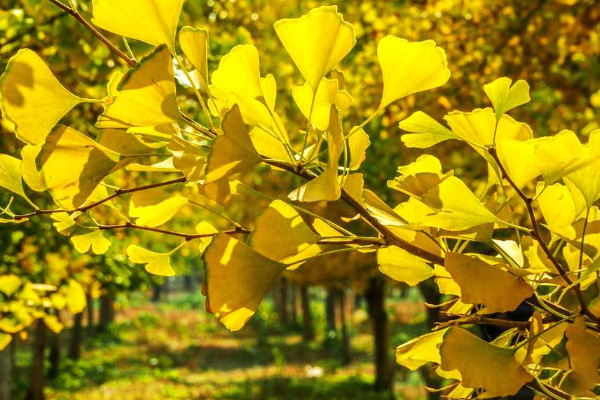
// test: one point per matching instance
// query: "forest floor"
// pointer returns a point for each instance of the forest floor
(170, 350)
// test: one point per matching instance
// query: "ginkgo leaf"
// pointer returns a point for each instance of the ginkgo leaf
(29, 170)
(268, 145)
(482, 365)
(319, 108)
(583, 348)
(505, 97)
(558, 208)
(425, 131)
(482, 283)
(239, 72)
(459, 209)
(205, 228)
(94, 240)
(421, 350)
(72, 165)
(32, 98)
(10, 284)
(154, 207)
(128, 143)
(283, 222)
(194, 44)
(479, 127)
(74, 296)
(156, 263)
(233, 151)
(402, 266)
(151, 21)
(420, 176)
(316, 42)
(518, 159)
(188, 158)
(237, 280)
(358, 143)
(145, 96)
(325, 186)
(10, 174)
(410, 67)
(5, 340)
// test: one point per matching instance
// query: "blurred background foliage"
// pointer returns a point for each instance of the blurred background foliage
(552, 44)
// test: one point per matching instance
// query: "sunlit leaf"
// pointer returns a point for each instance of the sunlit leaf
(482, 283)
(74, 295)
(425, 131)
(402, 266)
(151, 21)
(421, 350)
(10, 174)
(9, 284)
(154, 207)
(410, 67)
(194, 44)
(319, 108)
(482, 365)
(358, 143)
(156, 263)
(145, 96)
(505, 97)
(32, 98)
(94, 240)
(237, 279)
(583, 347)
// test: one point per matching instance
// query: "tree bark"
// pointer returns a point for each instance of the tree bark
(308, 331)
(6, 370)
(346, 348)
(375, 295)
(293, 306)
(37, 378)
(330, 310)
(54, 356)
(283, 305)
(107, 311)
(76, 337)
(90, 328)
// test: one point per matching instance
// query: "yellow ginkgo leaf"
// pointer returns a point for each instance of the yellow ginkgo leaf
(74, 296)
(71, 165)
(358, 143)
(151, 21)
(145, 95)
(10, 174)
(269, 145)
(583, 348)
(420, 176)
(458, 208)
(188, 158)
(239, 72)
(518, 159)
(558, 208)
(194, 44)
(237, 280)
(9, 284)
(421, 350)
(5, 340)
(402, 266)
(205, 228)
(233, 151)
(94, 240)
(52, 323)
(154, 207)
(482, 365)
(29, 170)
(316, 42)
(505, 97)
(410, 67)
(318, 110)
(482, 283)
(325, 187)
(294, 237)
(156, 263)
(425, 131)
(128, 143)
(478, 127)
(32, 98)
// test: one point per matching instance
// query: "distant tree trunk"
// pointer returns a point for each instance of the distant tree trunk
(6, 370)
(330, 310)
(346, 348)
(76, 337)
(54, 356)
(188, 283)
(432, 296)
(375, 295)
(294, 306)
(107, 311)
(37, 378)
(283, 305)
(90, 315)
(308, 331)
(156, 292)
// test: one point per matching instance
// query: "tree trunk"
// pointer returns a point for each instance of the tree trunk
(90, 315)
(107, 311)
(432, 296)
(375, 295)
(37, 378)
(54, 356)
(76, 337)
(283, 305)
(330, 310)
(294, 307)
(308, 332)
(346, 349)
(156, 293)
(6, 369)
